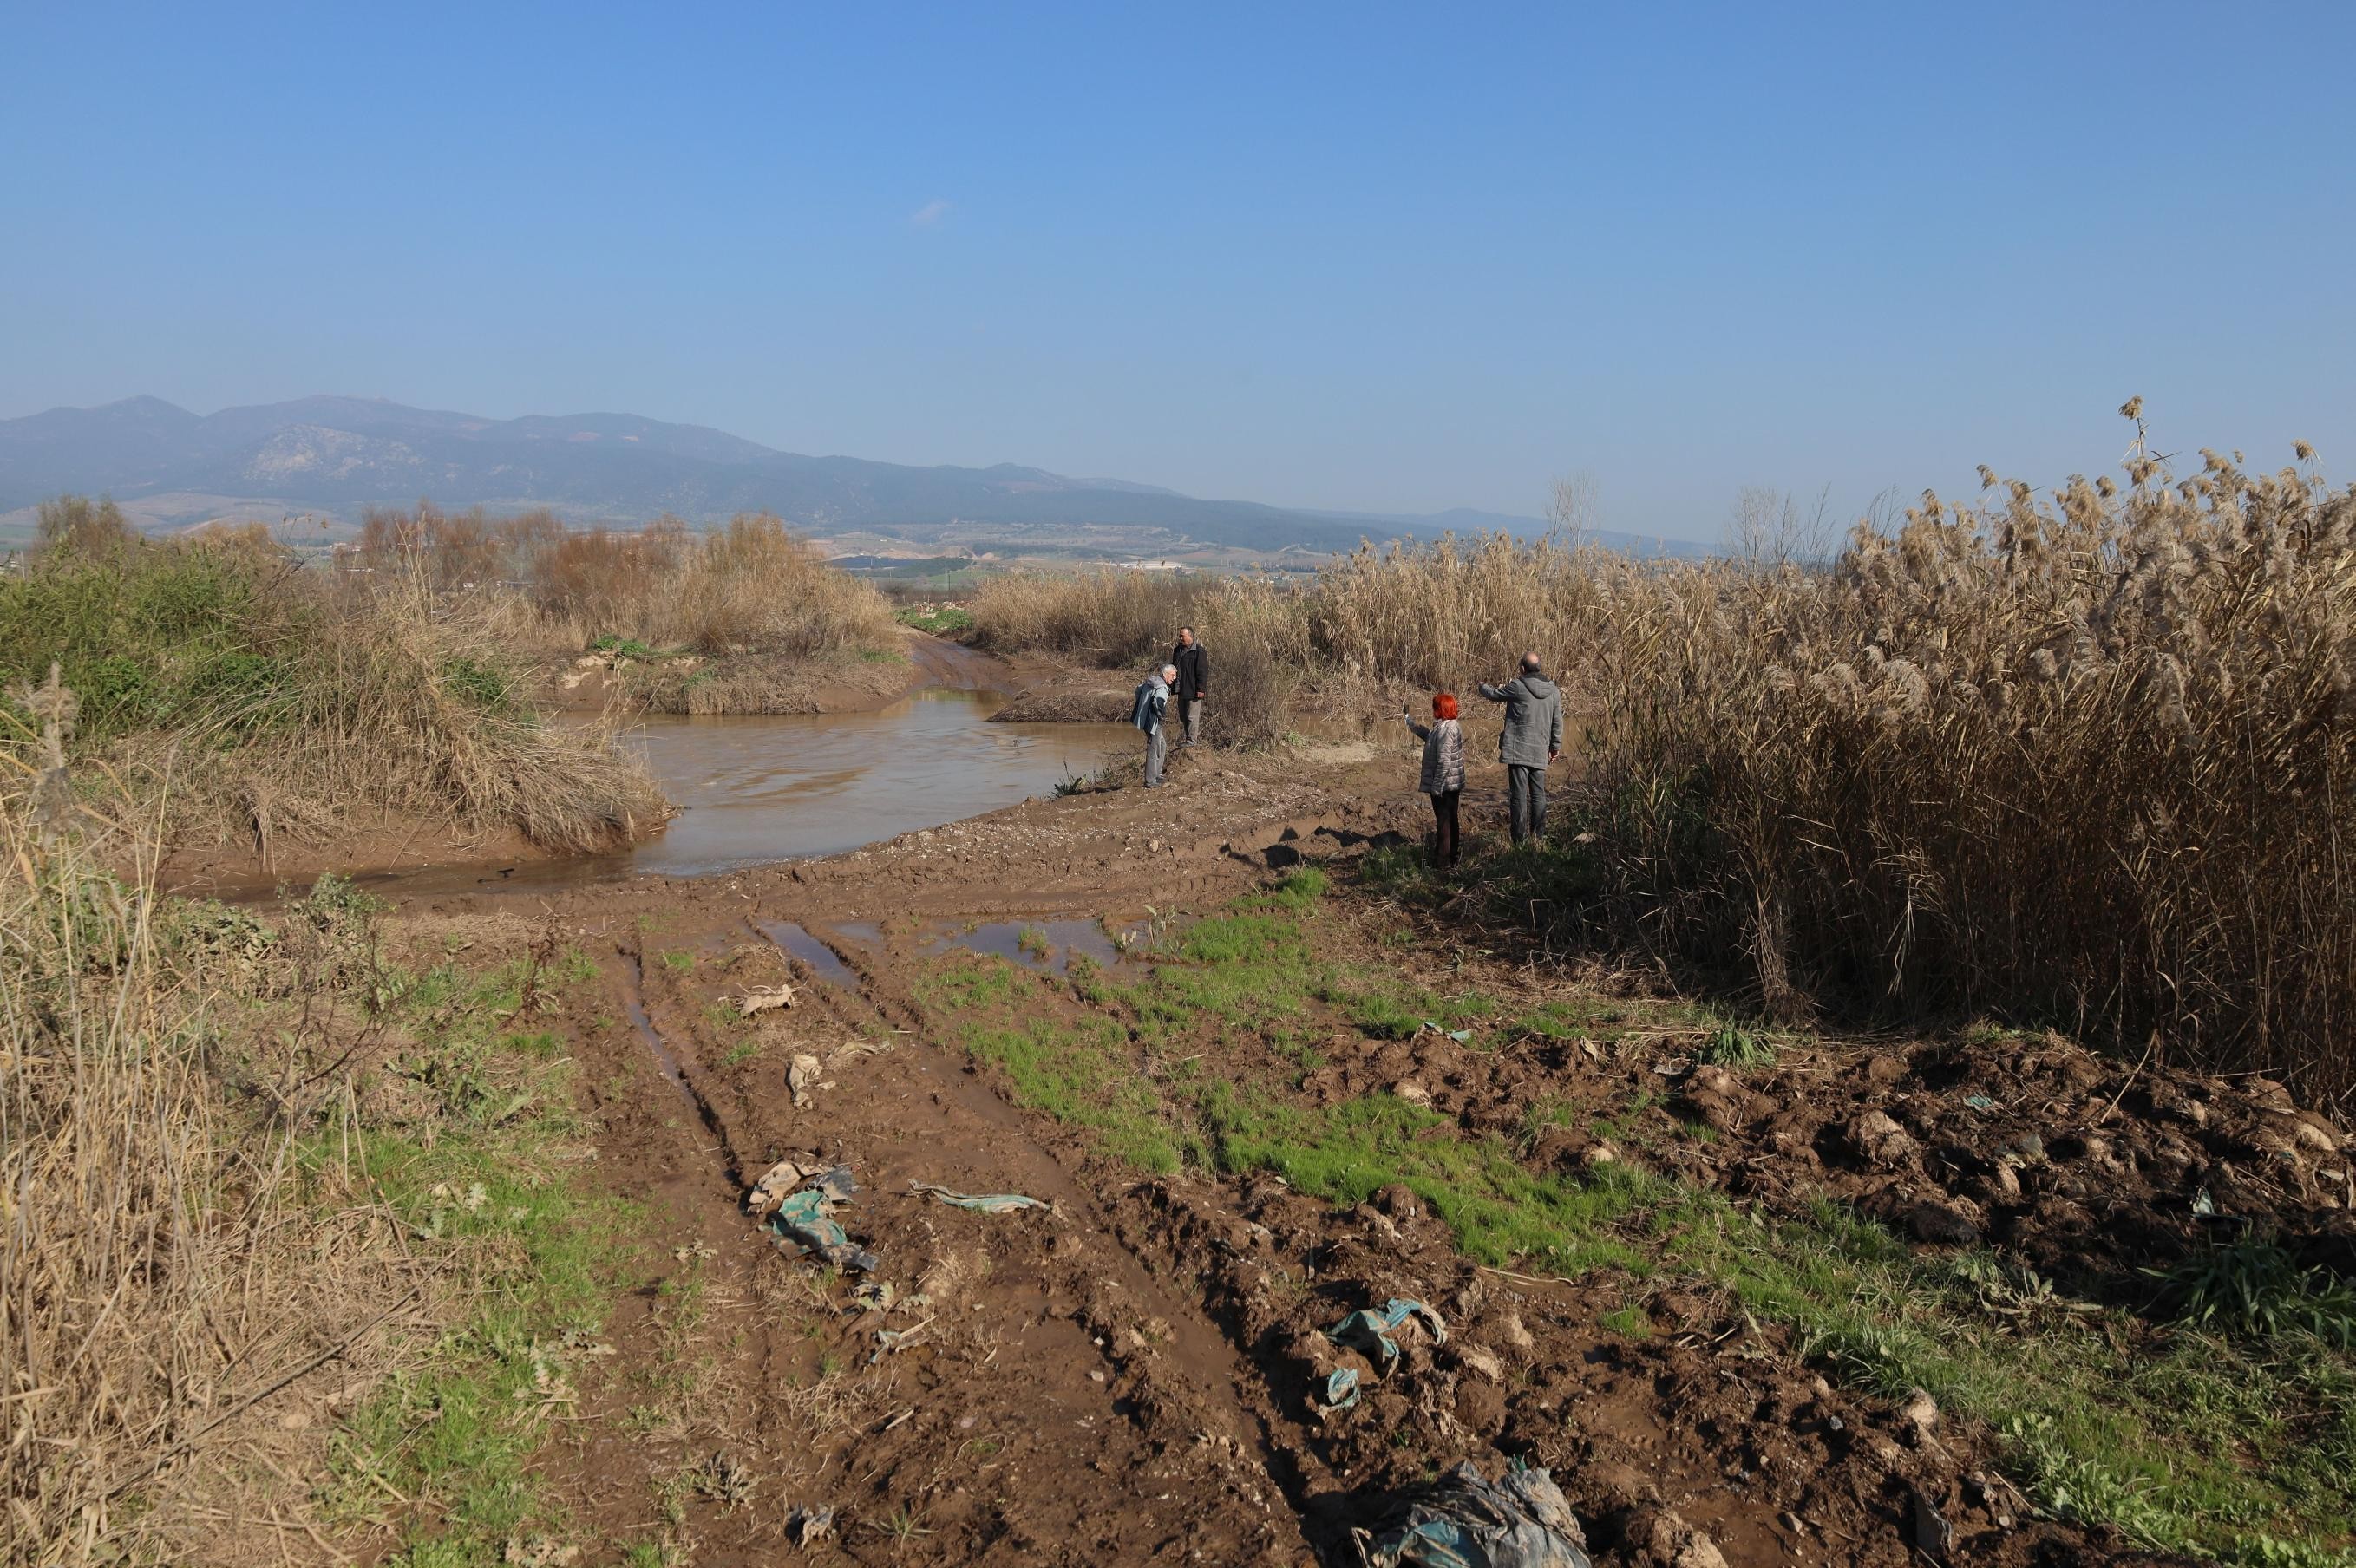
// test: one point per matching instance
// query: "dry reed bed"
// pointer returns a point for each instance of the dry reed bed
(2081, 758)
(163, 1265)
(752, 587)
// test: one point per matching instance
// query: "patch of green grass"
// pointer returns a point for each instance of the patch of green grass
(2253, 1287)
(1031, 940)
(744, 1050)
(1737, 1047)
(1628, 1322)
(628, 648)
(489, 1181)
(1500, 1212)
(940, 621)
(678, 960)
(1077, 1069)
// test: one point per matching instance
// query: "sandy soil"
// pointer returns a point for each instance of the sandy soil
(1120, 1377)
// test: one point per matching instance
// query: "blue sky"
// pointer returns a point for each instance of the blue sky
(1396, 257)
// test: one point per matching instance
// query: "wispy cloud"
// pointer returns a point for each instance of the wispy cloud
(931, 213)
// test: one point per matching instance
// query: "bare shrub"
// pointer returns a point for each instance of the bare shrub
(81, 525)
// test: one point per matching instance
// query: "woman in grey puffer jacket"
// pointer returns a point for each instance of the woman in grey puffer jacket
(1443, 776)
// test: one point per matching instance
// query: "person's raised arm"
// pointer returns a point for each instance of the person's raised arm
(1493, 693)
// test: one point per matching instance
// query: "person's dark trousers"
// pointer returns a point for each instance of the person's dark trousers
(1448, 834)
(1525, 801)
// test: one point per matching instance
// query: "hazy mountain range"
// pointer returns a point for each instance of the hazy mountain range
(338, 455)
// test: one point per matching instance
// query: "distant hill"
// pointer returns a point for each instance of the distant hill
(339, 455)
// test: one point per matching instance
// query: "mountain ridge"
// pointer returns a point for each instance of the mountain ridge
(343, 454)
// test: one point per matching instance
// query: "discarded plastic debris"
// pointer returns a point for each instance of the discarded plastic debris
(1459, 1035)
(985, 1202)
(805, 1525)
(1369, 1332)
(1980, 1101)
(775, 1182)
(802, 1077)
(1341, 1392)
(875, 1296)
(890, 1340)
(1520, 1520)
(804, 1218)
(762, 998)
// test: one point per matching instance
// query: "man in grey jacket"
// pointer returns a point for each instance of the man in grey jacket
(1532, 740)
(1150, 712)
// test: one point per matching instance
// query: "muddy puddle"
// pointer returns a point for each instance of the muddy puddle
(1043, 944)
(822, 959)
(756, 789)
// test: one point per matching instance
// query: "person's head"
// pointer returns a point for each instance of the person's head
(1169, 672)
(1530, 665)
(1185, 637)
(1443, 705)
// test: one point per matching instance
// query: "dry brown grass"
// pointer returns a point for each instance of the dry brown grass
(1111, 618)
(162, 1267)
(754, 587)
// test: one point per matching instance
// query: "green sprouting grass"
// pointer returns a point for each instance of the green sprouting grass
(2241, 1449)
(945, 621)
(1077, 1069)
(485, 1182)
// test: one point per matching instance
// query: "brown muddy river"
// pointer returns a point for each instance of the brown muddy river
(777, 787)
(756, 789)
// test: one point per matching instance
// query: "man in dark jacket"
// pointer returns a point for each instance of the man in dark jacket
(1193, 675)
(1532, 740)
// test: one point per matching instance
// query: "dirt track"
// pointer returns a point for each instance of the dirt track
(1123, 1377)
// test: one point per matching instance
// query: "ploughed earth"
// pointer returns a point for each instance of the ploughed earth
(1250, 1095)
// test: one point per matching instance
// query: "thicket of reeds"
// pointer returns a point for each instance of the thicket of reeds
(1255, 633)
(2085, 758)
(264, 701)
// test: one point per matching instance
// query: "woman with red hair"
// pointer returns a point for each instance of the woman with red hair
(1443, 776)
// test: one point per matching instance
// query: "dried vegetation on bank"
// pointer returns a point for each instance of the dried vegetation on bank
(2084, 757)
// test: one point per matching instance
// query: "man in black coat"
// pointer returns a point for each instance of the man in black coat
(1193, 675)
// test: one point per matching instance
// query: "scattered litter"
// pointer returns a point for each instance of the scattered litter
(1521, 1521)
(890, 1340)
(1459, 1035)
(802, 1077)
(696, 1251)
(1980, 1101)
(775, 1182)
(855, 1049)
(805, 1219)
(1341, 1392)
(985, 1202)
(762, 998)
(875, 1296)
(806, 1525)
(1369, 1332)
